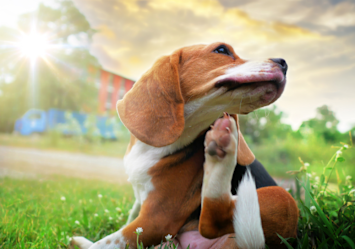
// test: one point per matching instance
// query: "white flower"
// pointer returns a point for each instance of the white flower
(313, 210)
(309, 175)
(96, 215)
(352, 192)
(110, 218)
(62, 198)
(339, 152)
(317, 178)
(99, 195)
(348, 178)
(77, 222)
(139, 230)
(118, 209)
(168, 237)
(346, 146)
(306, 164)
(106, 211)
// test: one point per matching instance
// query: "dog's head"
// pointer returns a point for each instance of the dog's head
(192, 87)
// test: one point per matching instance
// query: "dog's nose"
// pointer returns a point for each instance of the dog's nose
(282, 63)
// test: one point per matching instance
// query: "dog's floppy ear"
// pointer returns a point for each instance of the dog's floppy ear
(153, 110)
(244, 156)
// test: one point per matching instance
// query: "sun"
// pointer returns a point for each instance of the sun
(33, 45)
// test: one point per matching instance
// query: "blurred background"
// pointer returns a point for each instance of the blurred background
(64, 64)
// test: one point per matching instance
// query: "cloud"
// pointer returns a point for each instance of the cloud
(130, 29)
(316, 38)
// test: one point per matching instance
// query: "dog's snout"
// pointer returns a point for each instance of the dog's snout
(282, 63)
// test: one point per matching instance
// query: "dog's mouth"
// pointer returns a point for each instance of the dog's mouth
(269, 88)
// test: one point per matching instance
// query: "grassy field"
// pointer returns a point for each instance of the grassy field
(46, 213)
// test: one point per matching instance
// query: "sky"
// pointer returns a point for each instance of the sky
(316, 38)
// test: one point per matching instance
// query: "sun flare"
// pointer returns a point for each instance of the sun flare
(33, 45)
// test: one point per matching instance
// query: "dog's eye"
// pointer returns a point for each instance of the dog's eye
(222, 50)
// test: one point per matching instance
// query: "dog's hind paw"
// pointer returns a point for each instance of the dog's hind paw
(79, 242)
(222, 138)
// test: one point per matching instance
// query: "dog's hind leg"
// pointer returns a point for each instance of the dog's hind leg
(260, 213)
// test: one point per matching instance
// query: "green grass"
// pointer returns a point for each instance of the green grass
(281, 155)
(327, 217)
(33, 214)
(53, 141)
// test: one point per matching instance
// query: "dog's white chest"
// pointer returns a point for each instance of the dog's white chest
(137, 164)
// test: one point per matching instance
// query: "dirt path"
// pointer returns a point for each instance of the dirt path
(27, 162)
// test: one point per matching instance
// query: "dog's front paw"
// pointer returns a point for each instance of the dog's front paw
(222, 139)
(79, 242)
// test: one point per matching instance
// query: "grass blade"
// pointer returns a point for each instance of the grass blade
(285, 241)
(350, 242)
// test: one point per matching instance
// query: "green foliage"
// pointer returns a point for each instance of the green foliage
(324, 125)
(327, 217)
(263, 124)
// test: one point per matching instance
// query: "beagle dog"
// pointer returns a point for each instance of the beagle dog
(184, 173)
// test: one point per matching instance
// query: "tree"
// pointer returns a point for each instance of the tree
(264, 124)
(324, 124)
(60, 80)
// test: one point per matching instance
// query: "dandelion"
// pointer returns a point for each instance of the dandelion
(306, 164)
(96, 215)
(77, 222)
(139, 230)
(99, 195)
(106, 211)
(352, 192)
(168, 237)
(63, 198)
(313, 210)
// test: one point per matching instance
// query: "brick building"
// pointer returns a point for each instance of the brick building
(112, 87)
